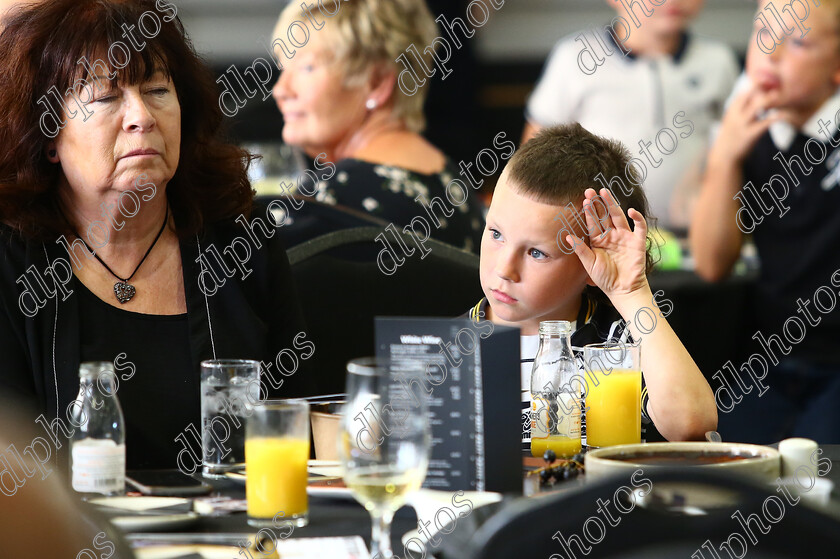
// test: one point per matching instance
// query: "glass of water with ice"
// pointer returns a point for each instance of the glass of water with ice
(229, 391)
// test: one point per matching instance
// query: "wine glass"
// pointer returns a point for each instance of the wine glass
(384, 441)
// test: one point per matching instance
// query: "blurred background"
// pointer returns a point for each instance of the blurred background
(506, 59)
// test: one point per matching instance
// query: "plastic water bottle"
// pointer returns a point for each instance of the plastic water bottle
(556, 392)
(97, 449)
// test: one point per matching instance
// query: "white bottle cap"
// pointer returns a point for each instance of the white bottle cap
(796, 453)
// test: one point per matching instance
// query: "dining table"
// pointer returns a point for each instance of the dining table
(337, 514)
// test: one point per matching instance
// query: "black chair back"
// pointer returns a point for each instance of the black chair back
(308, 218)
(342, 286)
(568, 523)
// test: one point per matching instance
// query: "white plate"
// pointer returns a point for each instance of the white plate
(324, 463)
(138, 503)
(324, 491)
(329, 492)
(319, 470)
(764, 463)
(155, 523)
(174, 551)
(141, 523)
(240, 477)
(328, 468)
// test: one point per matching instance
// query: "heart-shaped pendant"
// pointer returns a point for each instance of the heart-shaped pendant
(124, 291)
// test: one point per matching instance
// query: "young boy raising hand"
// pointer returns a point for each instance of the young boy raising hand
(773, 172)
(532, 270)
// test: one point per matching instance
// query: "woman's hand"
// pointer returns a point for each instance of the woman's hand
(614, 259)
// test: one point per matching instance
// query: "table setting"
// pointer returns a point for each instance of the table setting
(345, 475)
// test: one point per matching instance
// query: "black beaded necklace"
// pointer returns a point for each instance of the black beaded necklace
(122, 289)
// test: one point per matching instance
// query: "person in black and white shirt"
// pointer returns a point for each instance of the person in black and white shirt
(773, 173)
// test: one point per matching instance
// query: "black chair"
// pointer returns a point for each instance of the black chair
(526, 526)
(342, 289)
(696, 318)
(313, 218)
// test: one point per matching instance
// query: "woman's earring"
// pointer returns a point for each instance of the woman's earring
(370, 104)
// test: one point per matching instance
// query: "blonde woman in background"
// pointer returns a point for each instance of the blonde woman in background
(339, 96)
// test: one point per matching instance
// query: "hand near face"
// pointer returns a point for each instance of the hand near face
(741, 126)
(615, 259)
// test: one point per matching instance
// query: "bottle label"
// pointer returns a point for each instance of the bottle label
(98, 466)
(569, 410)
(563, 418)
(539, 417)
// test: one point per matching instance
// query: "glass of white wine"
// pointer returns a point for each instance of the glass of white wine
(385, 440)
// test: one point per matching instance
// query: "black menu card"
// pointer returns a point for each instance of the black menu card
(472, 378)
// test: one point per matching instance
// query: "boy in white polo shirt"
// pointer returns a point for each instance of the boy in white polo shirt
(658, 93)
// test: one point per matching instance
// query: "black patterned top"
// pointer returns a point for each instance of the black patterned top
(398, 195)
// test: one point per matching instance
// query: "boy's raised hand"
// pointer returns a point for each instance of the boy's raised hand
(614, 259)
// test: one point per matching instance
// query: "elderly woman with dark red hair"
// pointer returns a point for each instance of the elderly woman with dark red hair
(118, 204)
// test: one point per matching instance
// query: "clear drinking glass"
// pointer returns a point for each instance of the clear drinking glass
(229, 387)
(276, 456)
(385, 441)
(280, 163)
(613, 394)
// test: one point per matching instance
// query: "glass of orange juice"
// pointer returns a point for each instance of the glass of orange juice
(276, 456)
(613, 394)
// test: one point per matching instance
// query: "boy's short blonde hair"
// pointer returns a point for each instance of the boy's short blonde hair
(558, 164)
(366, 36)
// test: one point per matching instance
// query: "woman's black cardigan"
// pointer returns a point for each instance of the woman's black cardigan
(254, 318)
